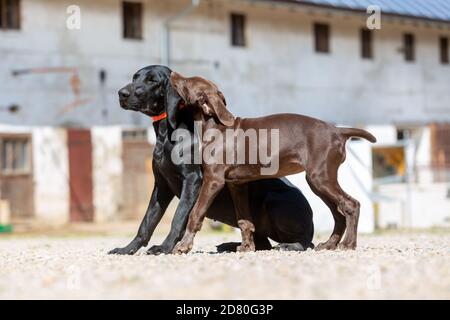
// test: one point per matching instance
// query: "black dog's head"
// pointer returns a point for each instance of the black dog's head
(151, 93)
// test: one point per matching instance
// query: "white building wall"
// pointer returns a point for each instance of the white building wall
(423, 157)
(107, 172)
(278, 71)
(421, 206)
(51, 175)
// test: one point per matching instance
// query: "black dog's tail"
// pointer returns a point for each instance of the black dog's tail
(360, 133)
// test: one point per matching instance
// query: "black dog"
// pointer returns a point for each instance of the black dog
(281, 212)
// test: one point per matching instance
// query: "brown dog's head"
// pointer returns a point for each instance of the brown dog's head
(151, 93)
(202, 94)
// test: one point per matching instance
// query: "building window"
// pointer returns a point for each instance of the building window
(366, 44)
(132, 20)
(15, 156)
(409, 46)
(237, 30)
(9, 14)
(322, 37)
(444, 50)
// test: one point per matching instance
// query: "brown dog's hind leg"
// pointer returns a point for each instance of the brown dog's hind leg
(322, 177)
(338, 229)
(339, 219)
(239, 194)
(261, 243)
(345, 209)
(345, 216)
(352, 207)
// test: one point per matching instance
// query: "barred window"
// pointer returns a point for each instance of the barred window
(409, 47)
(9, 14)
(132, 20)
(366, 44)
(15, 156)
(238, 30)
(322, 37)
(444, 50)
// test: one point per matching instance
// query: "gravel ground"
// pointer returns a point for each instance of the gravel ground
(401, 266)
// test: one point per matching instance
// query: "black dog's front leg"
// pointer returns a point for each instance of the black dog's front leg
(189, 195)
(161, 197)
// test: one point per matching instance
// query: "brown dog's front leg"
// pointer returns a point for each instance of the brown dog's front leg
(239, 194)
(208, 192)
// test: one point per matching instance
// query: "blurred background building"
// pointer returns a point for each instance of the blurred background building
(68, 152)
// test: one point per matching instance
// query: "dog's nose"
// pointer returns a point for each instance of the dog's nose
(124, 93)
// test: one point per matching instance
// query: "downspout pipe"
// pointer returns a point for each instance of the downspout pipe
(166, 46)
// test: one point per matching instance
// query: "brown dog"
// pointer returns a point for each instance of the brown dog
(304, 144)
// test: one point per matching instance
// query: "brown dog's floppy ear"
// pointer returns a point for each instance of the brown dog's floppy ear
(217, 103)
(172, 102)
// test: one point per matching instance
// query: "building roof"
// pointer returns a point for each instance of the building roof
(437, 10)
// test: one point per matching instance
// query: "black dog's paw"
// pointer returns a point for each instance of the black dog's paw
(228, 247)
(157, 250)
(290, 247)
(123, 251)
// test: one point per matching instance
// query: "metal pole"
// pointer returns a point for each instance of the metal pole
(166, 46)
(408, 175)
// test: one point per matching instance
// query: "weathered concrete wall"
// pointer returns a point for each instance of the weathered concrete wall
(51, 174)
(424, 205)
(44, 41)
(277, 72)
(107, 172)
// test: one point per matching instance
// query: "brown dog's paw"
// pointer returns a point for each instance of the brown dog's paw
(347, 246)
(326, 246)
(182, 248)
(248, 247)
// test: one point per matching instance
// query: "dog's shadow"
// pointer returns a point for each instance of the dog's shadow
(231, 247)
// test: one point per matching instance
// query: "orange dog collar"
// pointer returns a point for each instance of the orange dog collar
(160, 117)
(163, 115)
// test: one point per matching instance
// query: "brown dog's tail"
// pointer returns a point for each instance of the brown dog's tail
(360, 133)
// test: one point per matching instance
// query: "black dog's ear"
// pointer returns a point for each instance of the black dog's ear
(172, 102)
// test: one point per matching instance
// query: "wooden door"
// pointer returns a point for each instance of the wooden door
(137, 179)
(16, 174)
(440, 151)
(80, 175)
